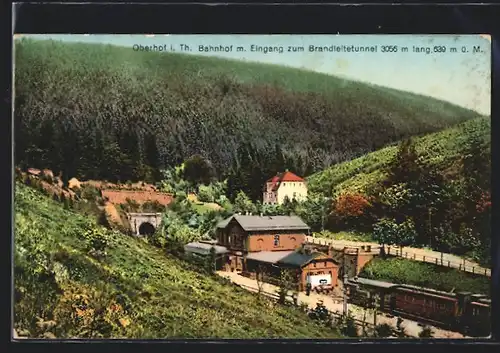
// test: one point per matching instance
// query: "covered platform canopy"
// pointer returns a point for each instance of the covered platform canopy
(298, 259)
(270, 257)
(204, 248)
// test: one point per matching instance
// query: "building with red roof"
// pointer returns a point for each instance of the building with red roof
(284, 185)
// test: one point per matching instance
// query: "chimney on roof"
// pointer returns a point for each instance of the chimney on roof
(286, 170)
(261, 214)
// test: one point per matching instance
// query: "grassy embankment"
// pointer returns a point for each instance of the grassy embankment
(135, 291)
(404, 271)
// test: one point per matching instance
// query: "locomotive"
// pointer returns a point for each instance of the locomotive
(463, 311)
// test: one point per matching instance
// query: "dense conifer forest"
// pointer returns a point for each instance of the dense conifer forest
(105, 112)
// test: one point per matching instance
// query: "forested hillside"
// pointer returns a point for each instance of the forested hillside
(432, 191)
(443, 151)
(104, 112)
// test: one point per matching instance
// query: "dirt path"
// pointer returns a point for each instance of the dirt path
(112, 212)
(333, 304)
(423, 255)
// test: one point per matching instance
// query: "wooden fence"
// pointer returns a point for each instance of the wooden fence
(440, 261)
(412, 255)
(337, 315)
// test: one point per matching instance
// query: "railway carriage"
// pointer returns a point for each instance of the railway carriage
(362, 291)
(424, 304)
(463, 311)
(477, 316)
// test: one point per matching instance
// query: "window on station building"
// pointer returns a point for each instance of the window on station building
(277, 240)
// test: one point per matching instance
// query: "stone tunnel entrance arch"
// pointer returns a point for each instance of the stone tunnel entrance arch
(146, 228)
(143, 224)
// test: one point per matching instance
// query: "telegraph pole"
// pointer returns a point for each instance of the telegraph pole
(345, 295)
(325, 212)
(323, 216)
(430, 228)
(344, 282)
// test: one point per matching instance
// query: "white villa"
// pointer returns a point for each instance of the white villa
(284, 185)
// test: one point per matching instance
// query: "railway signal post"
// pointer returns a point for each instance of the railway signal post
(344, 282)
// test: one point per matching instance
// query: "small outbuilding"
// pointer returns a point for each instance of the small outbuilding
(74, 183)
(316, 268)
(203, 249)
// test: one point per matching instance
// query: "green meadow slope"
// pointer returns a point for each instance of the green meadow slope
(135, 291)
(126, 114)
(404, 271)
(442, 151)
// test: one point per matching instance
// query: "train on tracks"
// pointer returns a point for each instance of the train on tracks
(462, 311)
